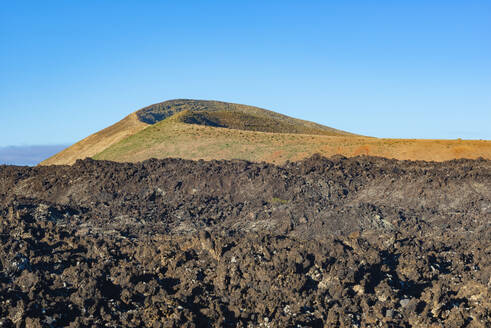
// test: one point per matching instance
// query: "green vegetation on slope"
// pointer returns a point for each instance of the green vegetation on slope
(175, 139)
(233, 116)
(172, 138)
(220, 130)
(249, 121)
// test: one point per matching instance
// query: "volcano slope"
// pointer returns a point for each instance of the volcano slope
(185, 114)
(338, 242)
(214, 130)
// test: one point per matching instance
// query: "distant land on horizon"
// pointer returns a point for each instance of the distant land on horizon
(216, 130)
(28, 155)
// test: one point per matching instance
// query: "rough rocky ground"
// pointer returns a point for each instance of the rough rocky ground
(359, 242)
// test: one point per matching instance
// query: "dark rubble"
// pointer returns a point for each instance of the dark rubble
(338, 242)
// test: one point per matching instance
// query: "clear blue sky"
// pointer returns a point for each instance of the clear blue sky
(404, 69)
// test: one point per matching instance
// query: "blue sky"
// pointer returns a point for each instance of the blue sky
(406, 69)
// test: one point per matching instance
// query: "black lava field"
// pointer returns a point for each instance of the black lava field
(324, 242)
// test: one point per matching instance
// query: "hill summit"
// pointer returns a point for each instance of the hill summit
(215, 114)
(232, 116)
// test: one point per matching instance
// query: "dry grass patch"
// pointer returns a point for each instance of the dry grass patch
(204, 142)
